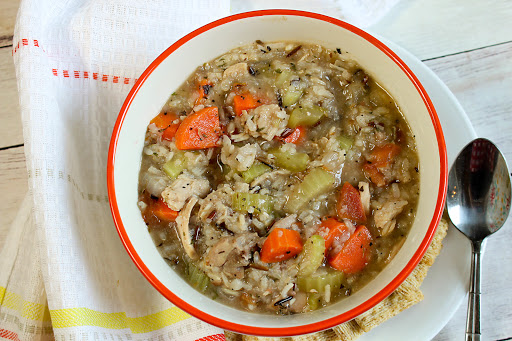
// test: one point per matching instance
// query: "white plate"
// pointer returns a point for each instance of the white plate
(446, 284)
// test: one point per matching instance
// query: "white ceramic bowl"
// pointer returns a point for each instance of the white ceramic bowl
(169, 71)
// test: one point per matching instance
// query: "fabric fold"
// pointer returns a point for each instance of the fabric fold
(23, 304)
(64, 273)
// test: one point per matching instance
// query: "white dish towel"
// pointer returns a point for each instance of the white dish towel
(64, 273)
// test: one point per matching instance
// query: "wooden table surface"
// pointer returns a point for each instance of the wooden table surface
(467, 43)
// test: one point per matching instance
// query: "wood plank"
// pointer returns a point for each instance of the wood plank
(11, 132)
(13, 186)
(427, 28)
(482, 82)
(8, 11)
(433, 28)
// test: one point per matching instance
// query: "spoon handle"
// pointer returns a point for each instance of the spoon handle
(473, 316)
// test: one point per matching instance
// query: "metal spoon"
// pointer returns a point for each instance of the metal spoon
(478, 204)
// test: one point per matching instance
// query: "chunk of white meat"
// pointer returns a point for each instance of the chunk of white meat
(285, 222)
(155, 181)
(182, 223)
(232, 253)
(288, 222)
(266, 121)
(270, 177)
(236, 71)
(238, 158)
(182, 189)
(364, 192)
(385, 216)
(218, 254)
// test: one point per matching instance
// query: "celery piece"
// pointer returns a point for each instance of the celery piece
(294, 162)
(197, 278)
(257, 169)
(290, 93)
(283, 80)
(175, 166)
(317, 281)
(312, 255)
(345, 142)
(314, 301)
(316, 182)
(306, 116)
(247, 202)
(291, 96)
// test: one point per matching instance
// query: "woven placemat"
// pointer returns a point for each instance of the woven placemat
(405, 296)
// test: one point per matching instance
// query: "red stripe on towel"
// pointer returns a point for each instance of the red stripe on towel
(25, 42)
(75, 74)
(7, 334)
(95, 76)
(216, 337)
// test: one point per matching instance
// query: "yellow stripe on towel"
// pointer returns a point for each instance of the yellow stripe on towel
(73, 317)
(28, 310)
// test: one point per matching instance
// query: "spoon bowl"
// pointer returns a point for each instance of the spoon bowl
(478, 203)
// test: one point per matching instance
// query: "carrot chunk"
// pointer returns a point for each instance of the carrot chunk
(355, 254)
(297, 136)
(245, 101)
(379, 159)
(164, 120)
(331, 230)
(199, 130)
(382, 156)
(374, 175)
(162, 211)
(170, 132)
(281, 244)
(349, 204)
